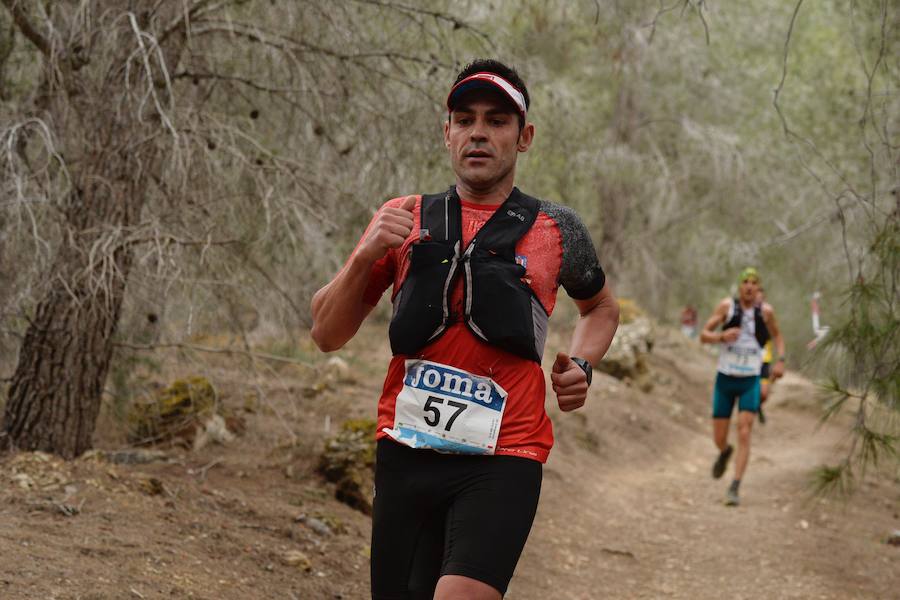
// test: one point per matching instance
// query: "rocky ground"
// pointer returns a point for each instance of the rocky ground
(628, 508)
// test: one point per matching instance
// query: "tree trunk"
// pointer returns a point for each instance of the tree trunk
(615, 196)
(107, 140)
(616, 199)
(56, 390)
(613, 205)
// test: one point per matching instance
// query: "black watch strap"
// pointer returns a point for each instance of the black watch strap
(585, 366)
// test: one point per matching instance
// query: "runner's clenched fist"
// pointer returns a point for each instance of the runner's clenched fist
(389, 229)
(569, 383)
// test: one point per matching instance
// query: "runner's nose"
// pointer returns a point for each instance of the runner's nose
(479, 131)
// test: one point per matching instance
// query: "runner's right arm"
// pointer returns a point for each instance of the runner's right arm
(338, 309)
(709, 335)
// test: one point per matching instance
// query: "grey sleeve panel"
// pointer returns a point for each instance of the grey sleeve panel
(580, 272)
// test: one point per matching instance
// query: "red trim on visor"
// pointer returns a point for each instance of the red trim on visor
(508, 89)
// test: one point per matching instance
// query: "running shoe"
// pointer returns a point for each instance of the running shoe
(731, 497)
(719, 467)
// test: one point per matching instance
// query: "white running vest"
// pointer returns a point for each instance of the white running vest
(743, 357)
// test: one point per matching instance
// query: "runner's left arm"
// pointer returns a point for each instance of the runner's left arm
(596, 326)
(777, 339)
(585, 282)
(593, 335)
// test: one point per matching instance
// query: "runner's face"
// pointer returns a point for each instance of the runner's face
(484, 140)
(749, 289)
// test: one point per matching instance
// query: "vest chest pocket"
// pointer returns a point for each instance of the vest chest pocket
(421, 297)
(504, 309)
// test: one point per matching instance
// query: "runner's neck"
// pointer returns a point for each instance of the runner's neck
(746, 305)
(495, 196)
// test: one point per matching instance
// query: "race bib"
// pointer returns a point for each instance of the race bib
(740, 360)
(447, 409)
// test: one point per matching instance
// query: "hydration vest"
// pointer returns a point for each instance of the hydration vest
(762, 332)
(498, 307)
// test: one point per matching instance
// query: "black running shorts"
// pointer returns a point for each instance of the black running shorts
(448, 514)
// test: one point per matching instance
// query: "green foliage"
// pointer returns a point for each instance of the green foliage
(832, 480)
(866, 346)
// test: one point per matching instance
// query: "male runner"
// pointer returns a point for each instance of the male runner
(746, 327)
(462, 430)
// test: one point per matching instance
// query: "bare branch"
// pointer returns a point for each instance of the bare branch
(784, 66)
(685, 4)
(301, 315)
(286, 43)
(440, 16)
(791, 134)
(703, 20)
(207, 349)
(26, 27)
(166, 239)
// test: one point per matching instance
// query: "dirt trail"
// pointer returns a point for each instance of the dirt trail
(628, 509)
(654, 525)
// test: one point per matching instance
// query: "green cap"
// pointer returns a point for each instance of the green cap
(748, 273)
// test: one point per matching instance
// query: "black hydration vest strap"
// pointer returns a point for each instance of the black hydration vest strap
(762, 331)
(737, 314)
(507, 225)
(439, 219)
(498, 237)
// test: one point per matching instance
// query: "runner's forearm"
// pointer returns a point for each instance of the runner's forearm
(779, 346)
(595, 330)
(338, 308)
(710, 337)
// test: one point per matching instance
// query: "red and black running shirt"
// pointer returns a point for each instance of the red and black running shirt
(556, 251)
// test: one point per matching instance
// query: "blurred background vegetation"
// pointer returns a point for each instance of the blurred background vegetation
(693, 137)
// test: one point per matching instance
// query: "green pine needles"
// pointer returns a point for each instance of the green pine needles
(862, 355)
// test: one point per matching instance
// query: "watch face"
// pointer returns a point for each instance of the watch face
(585, 366)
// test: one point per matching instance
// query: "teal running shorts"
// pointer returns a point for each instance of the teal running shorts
(728, 389)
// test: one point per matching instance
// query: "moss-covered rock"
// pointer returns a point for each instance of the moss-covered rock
(629, 310)
(176, 412)
(348, 461)
(627, 356)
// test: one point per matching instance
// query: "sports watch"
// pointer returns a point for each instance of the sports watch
(585, 366)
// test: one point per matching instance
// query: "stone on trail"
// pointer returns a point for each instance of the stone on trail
(894, 538)
(317, 525)
(295, 558)
(626, 357)
(336, 369)
(127, 457)
(213, 430)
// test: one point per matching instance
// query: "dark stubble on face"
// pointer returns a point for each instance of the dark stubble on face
(484, 184)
